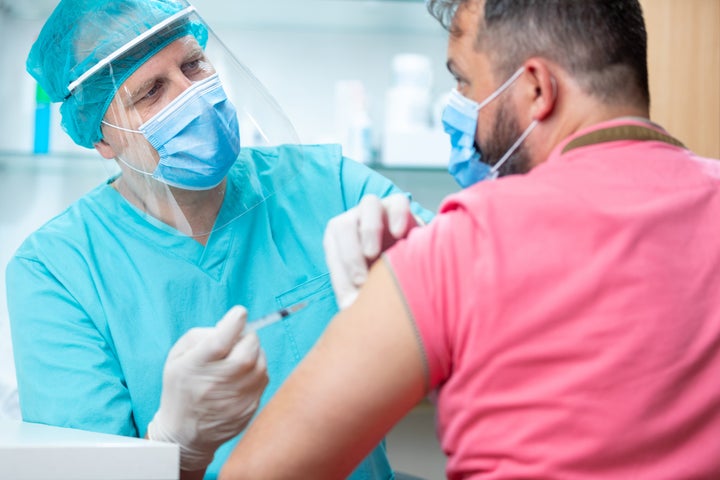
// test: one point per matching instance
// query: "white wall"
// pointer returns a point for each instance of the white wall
(17, 94)
(298, 53)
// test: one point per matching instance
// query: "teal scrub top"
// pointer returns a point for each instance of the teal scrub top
(99, 294)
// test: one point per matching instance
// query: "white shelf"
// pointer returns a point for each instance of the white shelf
(38, 452)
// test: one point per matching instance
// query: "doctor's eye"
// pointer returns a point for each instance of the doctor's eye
(189, 67)
(196, 68)
(153, 92)
(460, 83)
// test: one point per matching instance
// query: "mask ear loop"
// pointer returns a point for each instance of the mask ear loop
(118, 127)
(494, 172)
(116, 88)
(502, 87)
(131, 167)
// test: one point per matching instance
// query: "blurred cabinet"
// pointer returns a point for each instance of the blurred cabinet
(428, 186)
(413, 447)
(305, 51)
(684, 64)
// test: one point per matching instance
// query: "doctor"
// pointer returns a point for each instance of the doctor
(200, 219)
(565, 317)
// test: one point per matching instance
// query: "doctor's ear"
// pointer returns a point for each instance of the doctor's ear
(544, 88)
(105, 149)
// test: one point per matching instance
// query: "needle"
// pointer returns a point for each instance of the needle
(269, 319)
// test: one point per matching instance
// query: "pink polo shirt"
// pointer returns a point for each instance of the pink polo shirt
(570, 317)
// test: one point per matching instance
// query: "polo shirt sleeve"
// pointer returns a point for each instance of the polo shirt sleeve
(433, 271)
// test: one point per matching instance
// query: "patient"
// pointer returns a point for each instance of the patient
(548, 312)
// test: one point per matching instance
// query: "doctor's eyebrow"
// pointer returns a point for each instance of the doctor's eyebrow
(192, 54)
(130, 96)
(450, 64)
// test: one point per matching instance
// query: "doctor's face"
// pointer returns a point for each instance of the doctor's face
(477, 79)
(147, 91)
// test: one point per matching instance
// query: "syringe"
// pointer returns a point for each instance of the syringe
(269, 319)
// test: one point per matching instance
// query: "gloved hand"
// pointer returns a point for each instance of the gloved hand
(356, 238)
(212, 383)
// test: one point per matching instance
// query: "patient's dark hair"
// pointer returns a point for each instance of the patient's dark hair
(602, 43)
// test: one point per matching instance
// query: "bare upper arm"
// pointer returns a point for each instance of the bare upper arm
(364, 374)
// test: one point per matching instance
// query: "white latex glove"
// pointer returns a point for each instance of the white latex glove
(212, 382)
(356, 238)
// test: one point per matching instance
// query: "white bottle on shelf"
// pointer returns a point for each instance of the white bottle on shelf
(409, 138)
(407, 106)
(354, 126)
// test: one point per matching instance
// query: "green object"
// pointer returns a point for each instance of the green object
(41, 96)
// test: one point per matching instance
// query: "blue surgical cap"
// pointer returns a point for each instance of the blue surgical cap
(81, 34)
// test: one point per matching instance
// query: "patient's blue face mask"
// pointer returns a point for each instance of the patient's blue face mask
(196, 136)
(460, 118)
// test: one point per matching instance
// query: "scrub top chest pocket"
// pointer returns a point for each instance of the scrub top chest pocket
(286, 342)
(305, 326)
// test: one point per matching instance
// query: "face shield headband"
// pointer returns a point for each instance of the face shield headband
(90, 95)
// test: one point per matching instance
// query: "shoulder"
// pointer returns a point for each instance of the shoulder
(320, 167)
(276, 166)
(68, 229)
(310, 160)
(281, 155)
(534, 190)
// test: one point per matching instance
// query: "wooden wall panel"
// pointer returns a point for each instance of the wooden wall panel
(684, 64)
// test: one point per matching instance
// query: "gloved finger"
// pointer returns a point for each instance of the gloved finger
(371, 225)
(222, 338)
(344, 279)
(244, 355)
(244, 374)
(347, 298)
(399, 216)
(343, 254)
(349, 250)
(259, 369)
(188, 341)
(259, 375)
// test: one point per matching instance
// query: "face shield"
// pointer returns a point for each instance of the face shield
(192, 129)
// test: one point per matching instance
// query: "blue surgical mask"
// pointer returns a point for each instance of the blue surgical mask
(460, 122)
(196, 136)
(460, 118)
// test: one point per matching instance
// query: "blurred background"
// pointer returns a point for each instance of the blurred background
(369, 74)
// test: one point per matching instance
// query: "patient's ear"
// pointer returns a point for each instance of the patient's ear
(544, 87)
(105, 149)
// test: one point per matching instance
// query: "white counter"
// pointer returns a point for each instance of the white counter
(39, 452)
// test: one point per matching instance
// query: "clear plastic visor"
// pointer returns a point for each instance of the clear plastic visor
(198, 139)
